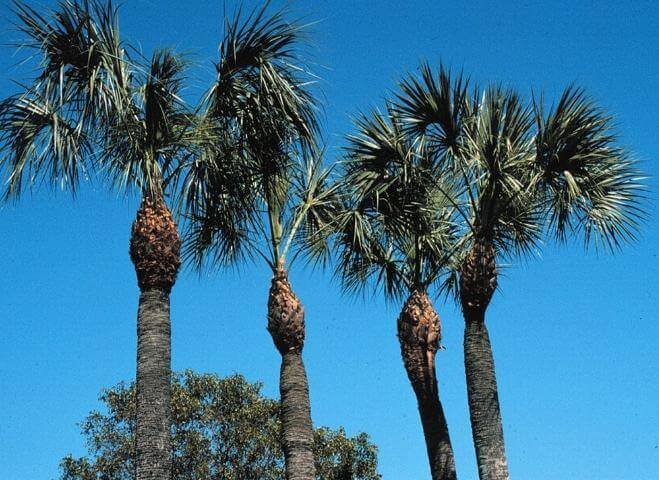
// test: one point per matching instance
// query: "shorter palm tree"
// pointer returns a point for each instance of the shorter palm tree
(283, 224)
(397, 232)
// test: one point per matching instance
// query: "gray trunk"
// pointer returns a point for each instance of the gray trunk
(152, 434)
(296, 418)
(483, 398)
(438, 442)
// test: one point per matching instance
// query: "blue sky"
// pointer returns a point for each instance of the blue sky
(574, 335)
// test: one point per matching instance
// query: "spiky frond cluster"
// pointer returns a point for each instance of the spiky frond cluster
(91, 106)
(449, 166)
(155, 131)
(397, 224)
(591, 185)
(258, 181)
(47, 131)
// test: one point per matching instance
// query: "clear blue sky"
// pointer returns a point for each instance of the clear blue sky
(575, 337)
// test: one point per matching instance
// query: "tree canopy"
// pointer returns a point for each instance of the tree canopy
(222, 428)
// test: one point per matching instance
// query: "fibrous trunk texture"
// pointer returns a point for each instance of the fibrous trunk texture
(419, 333)
(478, 277)
(155, 246)
(286, 325)
(154, 452)
(154, 250)
(478, 281)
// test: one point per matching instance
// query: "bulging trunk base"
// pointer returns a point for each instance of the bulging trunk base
(478, 278)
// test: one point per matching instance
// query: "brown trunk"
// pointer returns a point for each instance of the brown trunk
(419, 334)
(154, 250)
(286, 326)
(478, 281)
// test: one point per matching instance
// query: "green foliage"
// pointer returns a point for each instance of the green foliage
(397, 224)
(91, 106)
(222, 428)
(257, 187)
(449, 164)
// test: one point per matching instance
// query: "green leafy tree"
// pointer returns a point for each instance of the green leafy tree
(223, 428)
(518, 173)
(257, 190)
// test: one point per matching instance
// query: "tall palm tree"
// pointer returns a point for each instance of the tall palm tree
(256, 189)
(397, 231)
(520, 173)
(92, 108)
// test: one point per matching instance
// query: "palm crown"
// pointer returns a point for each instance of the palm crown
(523, 171)
(92, 107)
(396, 225)
(448, 165)
(257, 184)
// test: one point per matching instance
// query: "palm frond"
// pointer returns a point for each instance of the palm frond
(432, 107)
(217, 198)
(48, 130)
(498, 151)
(263, 114)
(317, 202)
(591, 185)
(80, 55)
(406, 211)
(39, 140)
(145, 144)
(260, 75)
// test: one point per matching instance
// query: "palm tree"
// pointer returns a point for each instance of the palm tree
(92, 108)
(397, 231)
(519, 174)
(256, 188)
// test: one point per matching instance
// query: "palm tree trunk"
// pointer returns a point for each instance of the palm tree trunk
(155, 252)
(483, 399)
(286, 325)
(419, 334)
(154, 457)
(296, 418)
(478, 281)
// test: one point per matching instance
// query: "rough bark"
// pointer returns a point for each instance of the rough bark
(286, 326)
(478, 281)
(484, 411)
(155, 252)
(296, 418)
(419, 334)
(154, 453)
